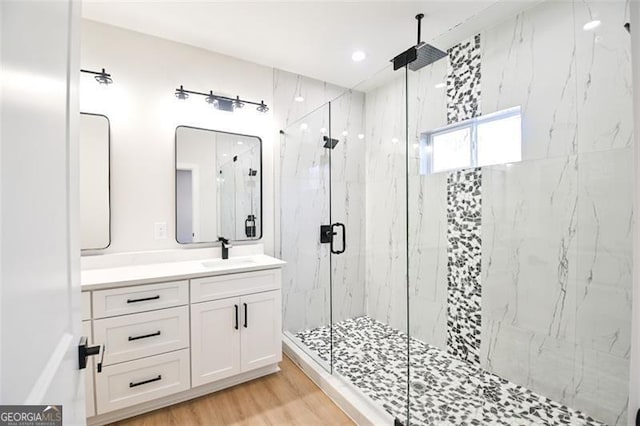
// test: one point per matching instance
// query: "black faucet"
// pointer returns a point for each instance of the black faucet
(225, 247)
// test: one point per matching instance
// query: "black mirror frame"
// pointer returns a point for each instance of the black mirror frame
(108, 178)
(175, 186)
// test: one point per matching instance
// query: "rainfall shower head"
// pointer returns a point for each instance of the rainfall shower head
(420, 55)
(427, 54)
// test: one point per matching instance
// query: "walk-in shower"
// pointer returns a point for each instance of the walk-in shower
(488, 217)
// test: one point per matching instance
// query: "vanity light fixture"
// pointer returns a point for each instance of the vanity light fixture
(222, 103)
(101, 77)
(237, 104)
(181, 94)
(262, 107)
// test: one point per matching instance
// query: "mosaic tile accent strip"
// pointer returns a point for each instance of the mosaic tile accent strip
(463, 81)
(464, 212)
(444, 390)
(464, 253)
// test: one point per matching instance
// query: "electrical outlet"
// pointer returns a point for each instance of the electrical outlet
(160, 230)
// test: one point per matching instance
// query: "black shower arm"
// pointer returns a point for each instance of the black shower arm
(419, 17)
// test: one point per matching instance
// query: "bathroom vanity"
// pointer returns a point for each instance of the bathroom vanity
(172, 331)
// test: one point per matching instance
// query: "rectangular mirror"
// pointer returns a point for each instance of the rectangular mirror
(95, 209)
(218, 186)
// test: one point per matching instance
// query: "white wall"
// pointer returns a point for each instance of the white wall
(144, 115)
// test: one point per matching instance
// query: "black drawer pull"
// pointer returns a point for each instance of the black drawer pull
(132, 338)
(246, 321)
(144, 299)
(144, 382)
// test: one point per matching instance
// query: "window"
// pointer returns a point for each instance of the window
(482, 141)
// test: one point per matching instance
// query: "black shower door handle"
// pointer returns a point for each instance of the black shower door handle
(344, 238)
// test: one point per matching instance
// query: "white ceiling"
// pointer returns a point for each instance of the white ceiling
(312, 38)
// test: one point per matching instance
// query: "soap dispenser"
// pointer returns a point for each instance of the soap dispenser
(250, 226)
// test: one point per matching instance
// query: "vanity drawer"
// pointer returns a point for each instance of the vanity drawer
(224, 286)
(128, 300)
(135, 336)
(135, 382)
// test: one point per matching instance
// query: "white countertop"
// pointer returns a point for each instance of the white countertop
(95, 279)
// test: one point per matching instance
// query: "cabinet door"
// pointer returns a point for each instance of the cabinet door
(261, 330)
(215, 340)
(90, 401)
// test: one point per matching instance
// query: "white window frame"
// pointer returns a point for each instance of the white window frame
(426, 138)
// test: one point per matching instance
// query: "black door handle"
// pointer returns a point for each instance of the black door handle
(246, 321)
(85, 351)
(236, 308)
(344, 238)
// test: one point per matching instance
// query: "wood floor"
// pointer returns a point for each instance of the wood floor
(286, 398)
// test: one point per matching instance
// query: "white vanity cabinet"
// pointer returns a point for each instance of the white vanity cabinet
(235, 335)
(167, 342)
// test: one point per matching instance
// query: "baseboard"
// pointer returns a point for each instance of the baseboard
(177, 398)
(350, 399)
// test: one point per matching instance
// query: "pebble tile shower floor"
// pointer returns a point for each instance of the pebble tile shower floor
(444, 390)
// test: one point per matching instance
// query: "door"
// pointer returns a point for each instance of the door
(215, 340)
(40, 251)
(261, 328)
(184, 201)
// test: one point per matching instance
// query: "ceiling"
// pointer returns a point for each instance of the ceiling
(312, 38)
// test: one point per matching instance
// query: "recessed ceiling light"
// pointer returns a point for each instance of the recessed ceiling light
(591, 25)
(394, 140)
(299, 98)
(358, 56)
(304, 126)
(361, 136)
(441, 85)
(345, 133)
(240, 142)
(323, 130)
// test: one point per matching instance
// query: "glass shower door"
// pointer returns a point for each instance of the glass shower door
(369, 280)
(305, 207)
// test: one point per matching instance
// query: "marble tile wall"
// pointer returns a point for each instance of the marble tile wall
(386, 234)
(557, 248)
(428, 269)
(311, 194)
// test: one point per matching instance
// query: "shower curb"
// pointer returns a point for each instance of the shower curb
(344, 395)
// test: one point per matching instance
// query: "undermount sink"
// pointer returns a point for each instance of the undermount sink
(228, 263)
